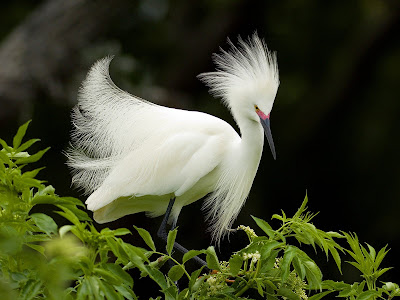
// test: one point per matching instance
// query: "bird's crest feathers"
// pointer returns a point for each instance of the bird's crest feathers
(249, 68)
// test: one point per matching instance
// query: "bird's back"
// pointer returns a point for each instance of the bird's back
(128, 146)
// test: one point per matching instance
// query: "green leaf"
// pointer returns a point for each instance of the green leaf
(335, 234)
(121, 231)
(125, 292)
(109, 291)
(380, 256)
(146, 237)
(26, 145)
(171, 240)
(20, 134)
(212, 259)
(194, 276)
(120, 273)
(264, 226)
(32, 158)
(190, 254)
(37, 248)
(235, 263)
(319, 295)
(93, 286)
(32, 174)
(157, 276)
(69, 215)
(289, 254)
(302, 208)
(45, 223)
(5, 159)
(176, 272)
(30, 290)
(313, 274)
(5, 146)
(285, 292)
(48, 199)
(64, 230)
(368, 295)
(381, 271)
(107, 276)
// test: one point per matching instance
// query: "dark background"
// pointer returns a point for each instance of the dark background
(335, 120)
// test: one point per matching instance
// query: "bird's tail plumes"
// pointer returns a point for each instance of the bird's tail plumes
(103, 122)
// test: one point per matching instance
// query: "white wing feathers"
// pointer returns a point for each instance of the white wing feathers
(123, 145)
(103, 122)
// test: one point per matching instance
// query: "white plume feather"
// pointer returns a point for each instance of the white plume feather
(103, 122)
(245, 71)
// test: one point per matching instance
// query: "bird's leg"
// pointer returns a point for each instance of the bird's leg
(162, 233)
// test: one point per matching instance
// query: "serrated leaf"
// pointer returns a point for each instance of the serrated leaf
(30, 290)
(299, 267)
(319, 295)
(120, 273)
(107, 276)
(176, 272)
(212, 259)
(69, 215)
(121, 231)
(235, 263)
(302, 208)
(313, 274)
(4, 157)
(32, 174)
(125, 292)
(335, 234)
(5, 146)
(157, 276)
(276, 216)
(37, 248)
(171, 240)
(146, 237)
(382, 271)
(285, 292)
(380, 256)
(289, 254)
(190, 254)
(366, 295)
(194, 276)
(26, 145)
(20, 134)
(45, 223)
(264, 226)
(109, 291)
(336, 257)
(32, 158)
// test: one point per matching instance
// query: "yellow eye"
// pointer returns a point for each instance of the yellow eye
(256, 107)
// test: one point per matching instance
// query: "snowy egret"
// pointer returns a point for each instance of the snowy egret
(134, 156)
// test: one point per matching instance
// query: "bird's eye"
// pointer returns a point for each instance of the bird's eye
(256, 107)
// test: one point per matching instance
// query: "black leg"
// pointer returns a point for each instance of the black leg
(162, 233)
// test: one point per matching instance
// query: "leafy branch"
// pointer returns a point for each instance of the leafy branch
(39, 259)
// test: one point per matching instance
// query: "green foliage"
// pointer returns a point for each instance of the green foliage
(40, 259)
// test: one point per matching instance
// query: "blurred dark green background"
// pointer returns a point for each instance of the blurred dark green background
(335, 121)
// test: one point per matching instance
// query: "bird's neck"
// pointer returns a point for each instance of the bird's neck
(252, 141)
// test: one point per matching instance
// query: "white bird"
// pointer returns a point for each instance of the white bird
(134, 156)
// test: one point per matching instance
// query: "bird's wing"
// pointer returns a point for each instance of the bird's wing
(109, 123)
(172, 166)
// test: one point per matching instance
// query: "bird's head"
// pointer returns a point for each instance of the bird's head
(247, 80)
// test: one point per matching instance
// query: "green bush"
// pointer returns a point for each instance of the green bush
(40, 260)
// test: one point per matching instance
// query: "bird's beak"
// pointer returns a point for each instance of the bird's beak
(264, 119)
